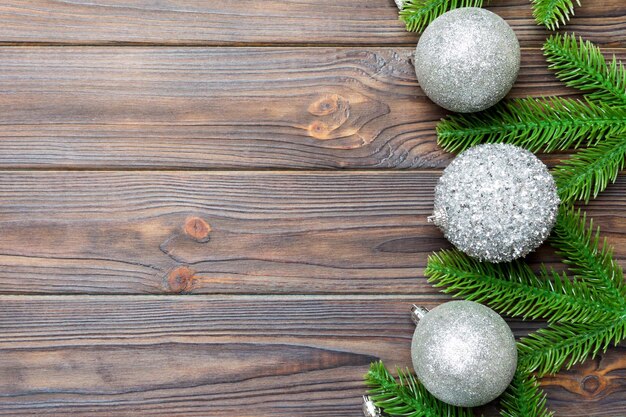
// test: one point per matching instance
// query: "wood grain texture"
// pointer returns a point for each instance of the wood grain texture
(299, 278)
(173, 108)
(226, 356)
(227, 22)
(245, 232)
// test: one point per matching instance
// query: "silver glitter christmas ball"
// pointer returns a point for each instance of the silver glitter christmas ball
(400, 4)
(464, 353)
(496, 202)
(467, 59)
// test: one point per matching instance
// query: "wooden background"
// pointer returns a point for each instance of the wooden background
(218, 208)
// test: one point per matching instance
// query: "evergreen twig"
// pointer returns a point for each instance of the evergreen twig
(406, 397)
(581, 65)
(547, 350)
(588, 260)
(587, 173)
(418, 14)
(524, 398)
(535, 124)
(514, 289)
(551, 13)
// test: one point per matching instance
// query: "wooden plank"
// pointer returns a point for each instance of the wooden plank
(228, 22)
(236, 232)
(172, 108)
(226, 356)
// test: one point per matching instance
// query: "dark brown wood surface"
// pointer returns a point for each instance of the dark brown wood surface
(172, 108)
(176, 238)
(236, 22)
(230, 356)
(230, 232)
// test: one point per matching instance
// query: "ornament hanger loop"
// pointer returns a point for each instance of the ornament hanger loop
(418, 313)
(369, 408)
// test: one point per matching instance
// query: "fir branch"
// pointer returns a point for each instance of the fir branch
(552, 12)
(580, 248)
(535, 124)
(406, 397)
(547, 350)
(514, 289)
(581, 65)
(524, 398)
(418, 14)
(590, 171)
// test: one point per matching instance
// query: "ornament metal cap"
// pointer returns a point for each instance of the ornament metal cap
(439, 218)
(418, 313)
(369, 408)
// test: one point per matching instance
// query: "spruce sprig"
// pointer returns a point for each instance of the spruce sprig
(524, 398)
(588, 172)
(418, 14)
(551, 13)
(548, 350)
(407, 396)
(588, 258)
(539, 125)
(515, 290)
(580, 64)
(595, 292)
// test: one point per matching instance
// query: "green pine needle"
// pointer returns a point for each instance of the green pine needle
(418, 14)
(591, 170)
(535, 124)
(587, 259)
(514, 289)
(551, 13)
(406, 397)
(524, 398)
(581, 65)
(547, 350)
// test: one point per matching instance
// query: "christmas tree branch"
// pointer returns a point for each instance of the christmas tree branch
(524, 398)
(535, 124)
(590, 171)
(551, 13)
(580, 248)
(515, 290)
(547, 350)
(418, 14)
(581, 65)
(406, 397)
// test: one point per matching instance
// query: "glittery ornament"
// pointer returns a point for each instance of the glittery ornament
(369, 408)
(467, 59)
(400, 4)
(464, 353)
(496, 202)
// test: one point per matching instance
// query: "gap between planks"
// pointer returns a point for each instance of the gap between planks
(241, 45)
(222, 297)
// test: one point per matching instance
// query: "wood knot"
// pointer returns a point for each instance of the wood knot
(319, 130)
(326, 105)
(180, 279)
(591, 384)
(332, 112)
(197, 229)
